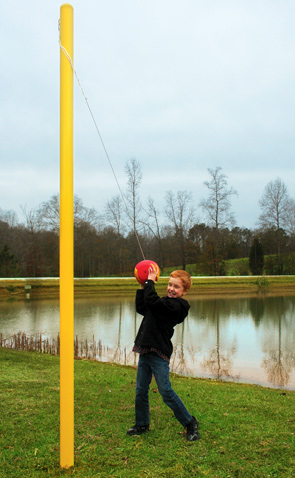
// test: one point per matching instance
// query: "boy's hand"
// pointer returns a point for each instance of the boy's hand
(152, 274)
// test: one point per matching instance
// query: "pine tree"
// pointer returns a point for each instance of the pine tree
(256, 258)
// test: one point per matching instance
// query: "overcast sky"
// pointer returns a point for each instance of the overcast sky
(180, 85)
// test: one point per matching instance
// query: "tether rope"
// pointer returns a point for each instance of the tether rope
(102, 142)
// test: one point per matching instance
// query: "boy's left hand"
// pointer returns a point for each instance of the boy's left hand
(152, 274)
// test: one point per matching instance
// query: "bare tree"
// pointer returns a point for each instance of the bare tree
(133, 203)
(34, 257)
(290, 218)
(32, 219)
(49, 214)
(180, 211)
(276, 208)
(152, 223)
(134, 179)
(114, 213)
(218, 206)
(83, 214)
(275, 205)
(9, 217)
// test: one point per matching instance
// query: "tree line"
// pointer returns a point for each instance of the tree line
(112, 242)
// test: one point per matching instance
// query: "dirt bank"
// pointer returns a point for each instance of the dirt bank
(41, 288)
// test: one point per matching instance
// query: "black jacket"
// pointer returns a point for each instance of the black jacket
(160, 317)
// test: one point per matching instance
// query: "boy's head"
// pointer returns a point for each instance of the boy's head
(179, 284)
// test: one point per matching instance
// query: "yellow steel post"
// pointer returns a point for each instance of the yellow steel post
(66, 242)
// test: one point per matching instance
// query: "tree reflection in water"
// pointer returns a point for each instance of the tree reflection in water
(182, 356)
(218, 364)
(278, 364)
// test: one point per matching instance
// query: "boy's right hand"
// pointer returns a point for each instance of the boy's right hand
(152, 274)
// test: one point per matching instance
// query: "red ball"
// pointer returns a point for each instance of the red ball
(141, 270)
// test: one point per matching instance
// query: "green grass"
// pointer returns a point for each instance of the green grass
(237, 267)
(246, 431)
(14, 289)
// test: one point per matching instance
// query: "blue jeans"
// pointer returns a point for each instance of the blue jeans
(148, 365)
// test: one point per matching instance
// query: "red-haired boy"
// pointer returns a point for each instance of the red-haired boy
(153, 343)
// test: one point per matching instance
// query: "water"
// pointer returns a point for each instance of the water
(250, 340)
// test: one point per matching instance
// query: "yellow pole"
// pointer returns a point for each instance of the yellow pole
(66, 242)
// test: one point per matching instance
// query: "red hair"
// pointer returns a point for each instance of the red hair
(184, 277)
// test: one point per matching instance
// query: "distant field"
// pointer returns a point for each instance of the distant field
(49, 287)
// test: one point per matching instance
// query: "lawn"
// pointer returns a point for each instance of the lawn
(246, 431)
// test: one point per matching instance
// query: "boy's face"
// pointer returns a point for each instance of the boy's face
(175, 288)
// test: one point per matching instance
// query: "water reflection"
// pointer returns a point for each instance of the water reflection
(238, 338)
(218, 361)
(279, 360)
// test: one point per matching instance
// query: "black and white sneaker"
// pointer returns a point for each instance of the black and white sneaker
(138, 430)
(193, 430)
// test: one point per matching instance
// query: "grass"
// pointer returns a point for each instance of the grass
(246, 431)
(13, 289)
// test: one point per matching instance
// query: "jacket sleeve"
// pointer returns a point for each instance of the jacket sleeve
(140, 302)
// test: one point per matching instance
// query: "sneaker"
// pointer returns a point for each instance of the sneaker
(138, 430)
(192, 430)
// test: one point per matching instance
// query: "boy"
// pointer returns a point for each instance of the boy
(153, 343)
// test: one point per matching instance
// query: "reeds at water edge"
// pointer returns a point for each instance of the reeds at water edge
(86, 349)
(93, 350)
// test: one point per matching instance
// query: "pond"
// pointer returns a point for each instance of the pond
(248, 340)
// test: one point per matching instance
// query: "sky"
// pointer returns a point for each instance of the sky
(180, 85)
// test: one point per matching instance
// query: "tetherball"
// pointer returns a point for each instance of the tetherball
(141, 270)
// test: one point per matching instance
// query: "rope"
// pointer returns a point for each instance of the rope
(102, 142)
